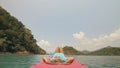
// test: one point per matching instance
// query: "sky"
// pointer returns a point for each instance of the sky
(83, 24)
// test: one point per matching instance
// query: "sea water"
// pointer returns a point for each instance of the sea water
(25, 61)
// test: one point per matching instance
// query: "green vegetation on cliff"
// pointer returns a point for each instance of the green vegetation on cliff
(71, 51)
(106, 51)
(14, 37)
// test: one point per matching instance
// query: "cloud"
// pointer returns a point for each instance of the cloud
(43, 43)
(99, 42)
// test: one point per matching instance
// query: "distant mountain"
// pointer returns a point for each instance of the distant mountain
(15, 37)
(85, 52)
(71, 51)
(106, 51)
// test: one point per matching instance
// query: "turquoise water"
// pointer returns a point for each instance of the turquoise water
(25, 61)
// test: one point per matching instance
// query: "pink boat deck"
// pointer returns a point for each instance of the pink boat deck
(74, 64)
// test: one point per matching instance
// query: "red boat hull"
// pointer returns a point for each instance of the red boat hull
(74, 64)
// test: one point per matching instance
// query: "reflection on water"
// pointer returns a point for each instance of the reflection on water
(25, 61)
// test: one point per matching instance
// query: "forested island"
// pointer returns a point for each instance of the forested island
(68, 50)
(106, 51)
(15, 37)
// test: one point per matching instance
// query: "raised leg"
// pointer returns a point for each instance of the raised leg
(70, 60)
(57, 50)
(47, 60)
(61, 50)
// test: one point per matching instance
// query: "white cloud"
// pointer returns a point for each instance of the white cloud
(79, 35)
(43, 43)
(96, 43)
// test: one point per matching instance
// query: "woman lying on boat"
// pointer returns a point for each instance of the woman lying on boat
(58, 58)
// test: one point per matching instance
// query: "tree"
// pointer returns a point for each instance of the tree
(15, 37)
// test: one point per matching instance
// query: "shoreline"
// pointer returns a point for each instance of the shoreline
(18, 53)
(23, 53)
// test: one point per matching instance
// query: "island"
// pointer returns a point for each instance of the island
(69, 50)
(106, 51)
(15, 38)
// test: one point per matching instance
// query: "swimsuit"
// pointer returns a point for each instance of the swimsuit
(60, 55)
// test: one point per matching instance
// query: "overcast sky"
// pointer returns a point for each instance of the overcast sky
(83, 24)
